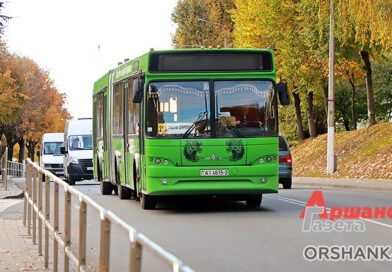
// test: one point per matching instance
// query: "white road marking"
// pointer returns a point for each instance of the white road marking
(302, 203)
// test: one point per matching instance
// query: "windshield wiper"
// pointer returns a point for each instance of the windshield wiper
(202, 115)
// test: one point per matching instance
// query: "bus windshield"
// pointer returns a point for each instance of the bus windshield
(178, 109)
(245, 109)
(242, 108)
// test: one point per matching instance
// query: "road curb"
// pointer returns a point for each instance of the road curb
(374, 185)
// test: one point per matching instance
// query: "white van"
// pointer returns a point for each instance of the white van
(78, 150)
(50, 154)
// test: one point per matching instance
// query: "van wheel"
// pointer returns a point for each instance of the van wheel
(71, 180)
(147, 202)
(254, 201)
(124, 192)
(106, 188)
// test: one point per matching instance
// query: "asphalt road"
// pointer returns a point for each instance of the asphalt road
(212, 234)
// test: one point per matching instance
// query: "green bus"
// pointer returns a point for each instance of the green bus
(189, 122)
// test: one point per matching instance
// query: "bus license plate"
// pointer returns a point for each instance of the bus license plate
(214, 173)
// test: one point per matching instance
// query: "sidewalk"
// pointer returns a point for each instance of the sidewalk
(16, 247)
(374, 185)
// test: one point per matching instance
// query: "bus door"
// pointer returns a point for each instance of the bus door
(105, 120)
(130, 140)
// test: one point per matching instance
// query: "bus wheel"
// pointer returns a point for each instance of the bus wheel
(106, 188)
(124, 192)
(147, 202)
(254, 201)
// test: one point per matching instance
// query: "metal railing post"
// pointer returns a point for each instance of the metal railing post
(104, 249)
(56, 227)
(29, 190)
(40, 212)
(135, 260)
(25, 196)
(24, 169)
(34, 204)
(47, 219)
(5, 170)
(67, 227)
(82, 233)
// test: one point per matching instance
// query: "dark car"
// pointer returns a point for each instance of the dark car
(285, 164)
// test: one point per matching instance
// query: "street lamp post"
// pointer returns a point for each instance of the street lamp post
(331, 163)
(216, 24)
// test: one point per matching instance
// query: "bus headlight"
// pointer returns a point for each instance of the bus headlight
(263, 179)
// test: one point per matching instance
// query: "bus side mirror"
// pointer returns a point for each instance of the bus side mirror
(138, 89)
(62, 150)
(283, 93)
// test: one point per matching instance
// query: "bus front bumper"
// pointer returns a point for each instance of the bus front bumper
(188, 181)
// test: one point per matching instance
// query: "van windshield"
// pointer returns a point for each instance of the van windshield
(80, 142)
(52, 148)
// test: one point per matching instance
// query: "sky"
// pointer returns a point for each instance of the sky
(77, 41)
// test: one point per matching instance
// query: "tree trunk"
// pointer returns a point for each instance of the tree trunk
(346, 124)
(10, 150)
(309, 108)
(297, 104)
(353, 90)
(369, 88)
(21, 143)
(31, 149)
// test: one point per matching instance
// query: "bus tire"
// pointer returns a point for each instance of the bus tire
(147, 202)
(254, 201)
(106, 188)
(124, 192)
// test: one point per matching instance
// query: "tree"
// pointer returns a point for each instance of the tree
(202, 23)
(40, 107)
(365, 25)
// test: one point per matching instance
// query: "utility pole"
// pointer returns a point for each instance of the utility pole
(331, 159)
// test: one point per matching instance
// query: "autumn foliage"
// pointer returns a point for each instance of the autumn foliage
(30, 104)
(298, 32)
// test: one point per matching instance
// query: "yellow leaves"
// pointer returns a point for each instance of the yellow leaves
(29, 102)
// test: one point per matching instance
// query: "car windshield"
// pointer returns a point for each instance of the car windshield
(182, 109)
(178, 109)
(80, 142)
(52, 148)
(245, 108)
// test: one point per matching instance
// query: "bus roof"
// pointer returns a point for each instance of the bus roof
(143, 63)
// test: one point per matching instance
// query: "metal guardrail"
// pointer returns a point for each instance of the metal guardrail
(35, 210)
(16, 169)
